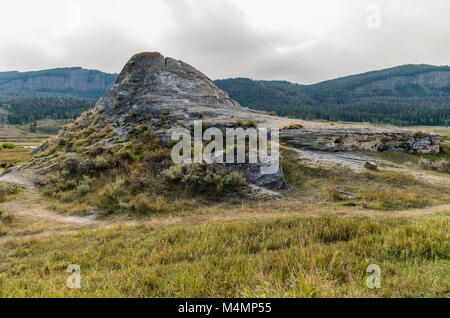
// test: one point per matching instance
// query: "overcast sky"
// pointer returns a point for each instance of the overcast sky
(299, 41)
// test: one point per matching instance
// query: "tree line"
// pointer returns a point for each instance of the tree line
(337, 100)
(26, 110)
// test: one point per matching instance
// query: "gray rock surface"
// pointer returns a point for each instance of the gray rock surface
(150, 83)
(370, 139)
(370, 165)
(165, 94)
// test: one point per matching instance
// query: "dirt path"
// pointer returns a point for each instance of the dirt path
(356, 162)
(31, 204)
(37, 221)
(331, 159)
(32, 218)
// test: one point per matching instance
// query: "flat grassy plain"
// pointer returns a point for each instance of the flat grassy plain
(306, 256)
(23, 140)
(316, 240)
(12, 157)
(44, 128)
(375, 190)
(20, 153)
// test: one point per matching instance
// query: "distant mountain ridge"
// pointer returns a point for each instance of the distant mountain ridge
(408, 94)
(73, 82)
(402, 95)
(397, 81)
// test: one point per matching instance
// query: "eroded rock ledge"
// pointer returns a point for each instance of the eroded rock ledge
(350, 139)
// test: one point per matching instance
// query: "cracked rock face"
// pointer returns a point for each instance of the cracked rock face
(150, 83)
(166, 94)
(169, 94)
(349, 139)
(174, 93)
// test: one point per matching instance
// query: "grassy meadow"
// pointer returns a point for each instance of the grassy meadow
(315, 240)
(306, 256)
(24, 141)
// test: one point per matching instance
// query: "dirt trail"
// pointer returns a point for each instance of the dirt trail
(31, 208)
(32, 218)
(356, 162)
(31, 204)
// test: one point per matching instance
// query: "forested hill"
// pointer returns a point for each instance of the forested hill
(404, 95)
(74, 82)
(62, 93)
(26, 110)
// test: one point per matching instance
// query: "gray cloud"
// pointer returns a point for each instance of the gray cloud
(104, 47)
(219, 39)
(107, 47)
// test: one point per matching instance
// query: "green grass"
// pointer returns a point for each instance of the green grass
(290, 256)
(138, 178)
(5, 220)
(12, 157)
(9, 190)
(323, 256)
(388, 198)
(442, 165)
(24, 140)
(378, 190)
(45, 126)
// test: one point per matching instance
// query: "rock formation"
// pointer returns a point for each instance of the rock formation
(348, 139)
(154, 86)
(165, 94)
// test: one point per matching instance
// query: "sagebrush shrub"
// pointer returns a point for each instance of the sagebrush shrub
(203, 179)
(439, 165)
(83, 189)
(71, 162)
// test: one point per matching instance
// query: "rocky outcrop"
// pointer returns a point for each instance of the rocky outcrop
(150, 82)
(77, 82)
(348, 139)
(252, 172)
(166, 94)
(171, 93)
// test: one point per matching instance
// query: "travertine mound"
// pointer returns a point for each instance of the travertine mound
(167, 93)
(349, 139)
(150, 79)
(164, 94)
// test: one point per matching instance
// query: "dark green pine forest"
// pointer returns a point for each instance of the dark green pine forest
(404, 95)
(29, 109)
(61, 93)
